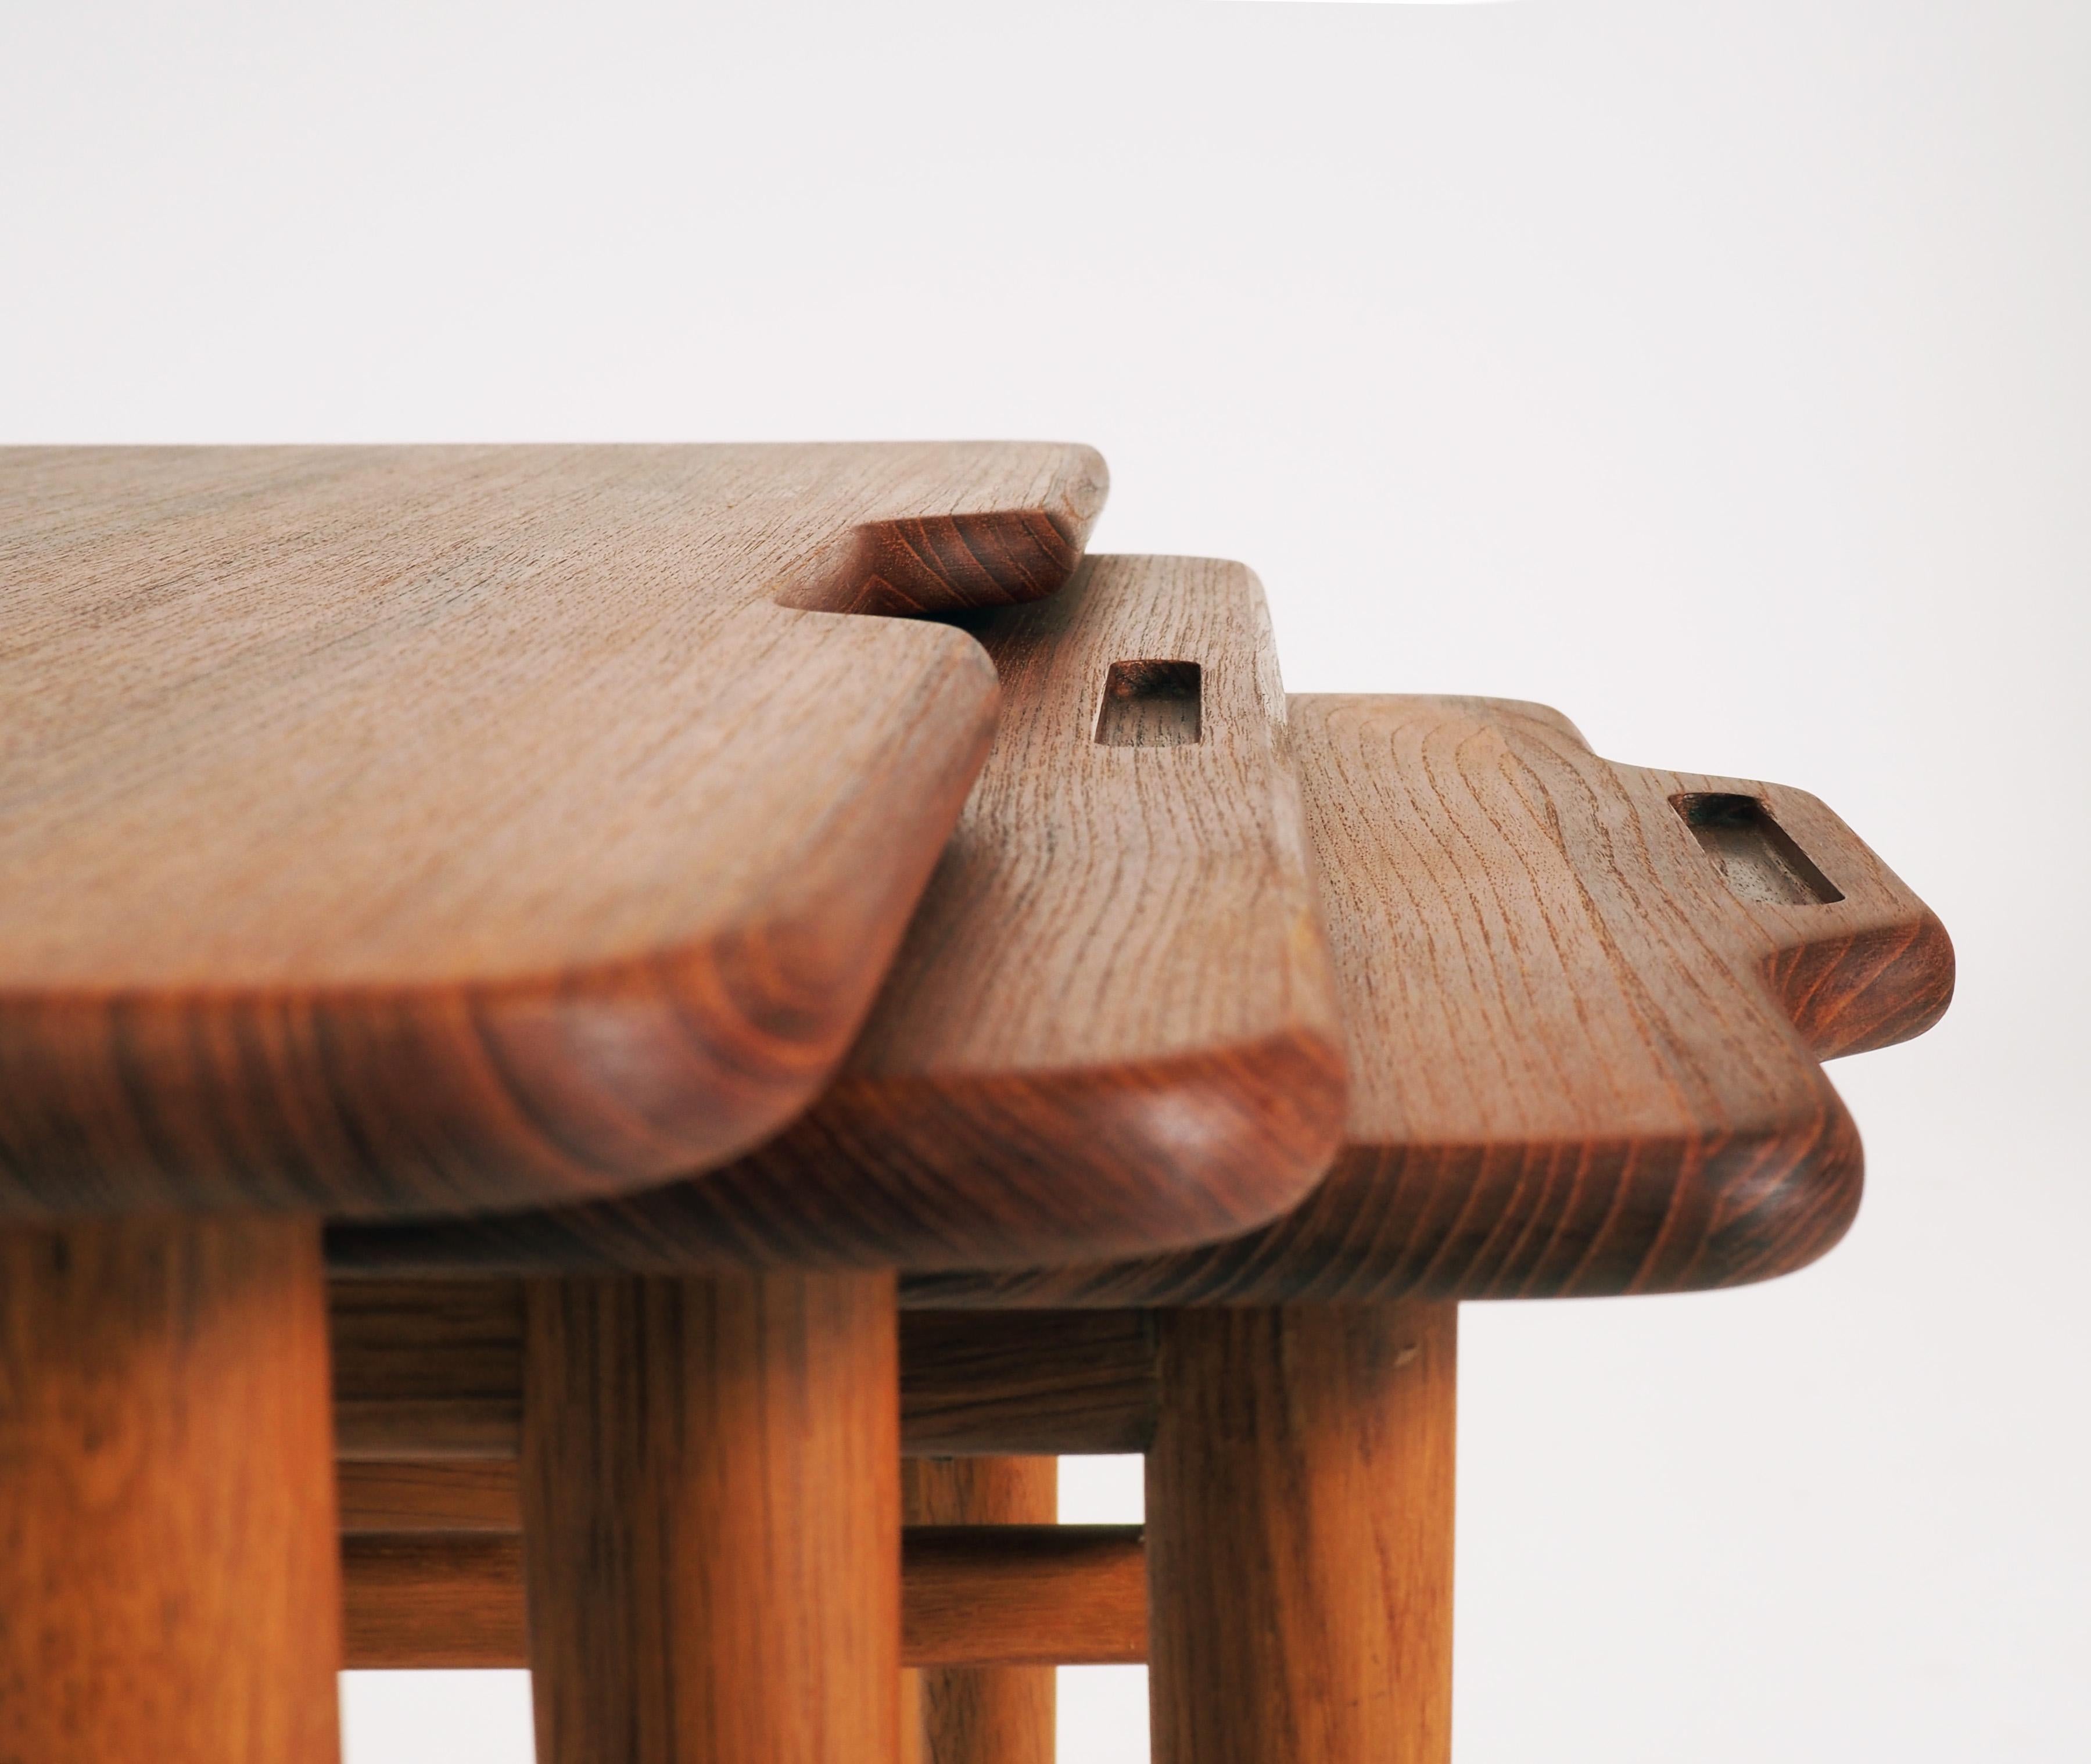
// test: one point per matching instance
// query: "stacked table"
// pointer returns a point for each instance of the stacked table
(664, 911)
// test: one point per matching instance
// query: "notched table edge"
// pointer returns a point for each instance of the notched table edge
(963, 561)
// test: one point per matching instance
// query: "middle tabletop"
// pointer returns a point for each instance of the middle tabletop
(1112, 1025)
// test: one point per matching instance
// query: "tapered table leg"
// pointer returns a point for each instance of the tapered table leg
(712, 1518)
(170, 1575)
(997, 1714)
(1300, 1536)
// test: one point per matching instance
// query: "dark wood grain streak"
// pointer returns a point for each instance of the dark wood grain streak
(990, 1714)
(169, 1581)
(1300, 1536)
(1059, 1062)
(451, 1497)
(997, 1596)
(400, 831)
(386, 1430)
(432, 1370)
(1582, 1062)
(432, 1338)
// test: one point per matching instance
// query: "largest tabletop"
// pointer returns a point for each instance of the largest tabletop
(392, 830)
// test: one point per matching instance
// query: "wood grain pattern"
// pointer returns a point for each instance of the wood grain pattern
(711, 1504)
(978, 1596)
(1026, 1595)
(1111, 1024)
(1071, 1383)
(434, 1601)
(995, 1715)
(169, 1582)
(427, 1371)
(1585, 1040)
(1300, 1536)
(449, 1497)
(402, 830)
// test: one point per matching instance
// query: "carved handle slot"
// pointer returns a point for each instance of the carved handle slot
(1753, 852)
(1151, 705)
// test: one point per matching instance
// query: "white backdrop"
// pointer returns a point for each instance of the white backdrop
(1717, 371)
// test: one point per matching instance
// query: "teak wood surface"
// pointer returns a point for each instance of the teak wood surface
(428, 1384)
(1587, 1005)
(169, 1581)
(711, 1506)
(974, 1599)
(393, 831)
(996, 1714)
(1111, 1024)
(1300, 1535)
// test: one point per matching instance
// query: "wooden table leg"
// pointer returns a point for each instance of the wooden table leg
(996, 1714)
(711, 1508)
(170, 1575)
(1300, 1536)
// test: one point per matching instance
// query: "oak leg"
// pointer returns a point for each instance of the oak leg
(711, 1509)
(1300, 1536)
(998, 1715)
(170, 1575)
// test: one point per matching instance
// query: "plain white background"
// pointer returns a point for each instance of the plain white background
(1718, 372)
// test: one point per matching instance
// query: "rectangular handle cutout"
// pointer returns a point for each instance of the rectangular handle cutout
(1753, 853)
(1152, 705)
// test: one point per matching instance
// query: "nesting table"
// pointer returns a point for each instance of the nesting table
(796, 997)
